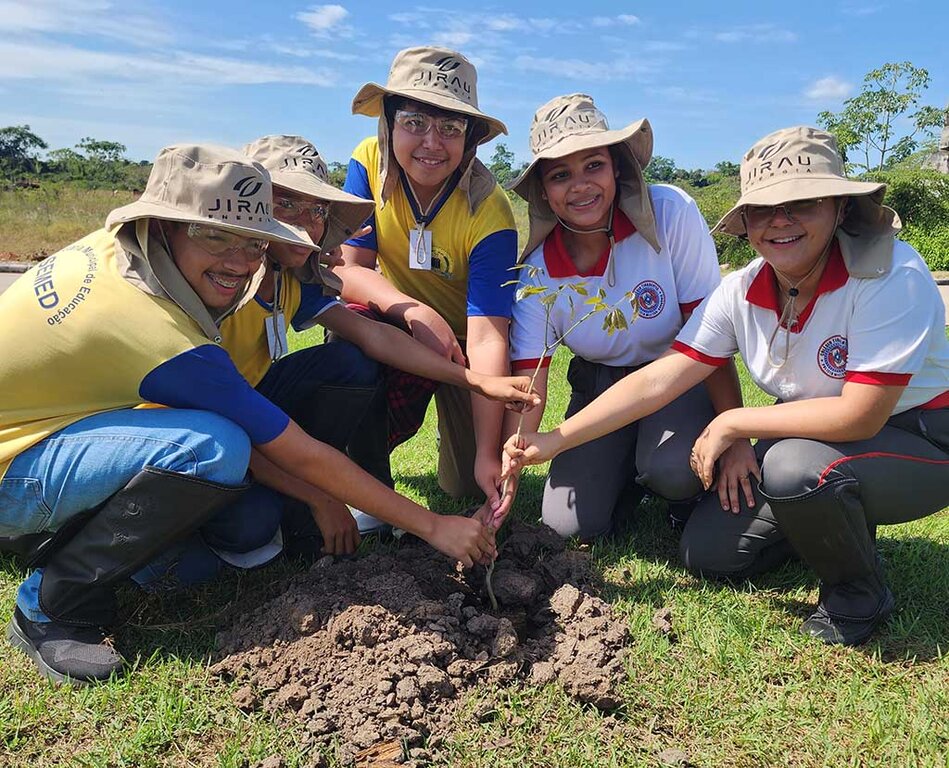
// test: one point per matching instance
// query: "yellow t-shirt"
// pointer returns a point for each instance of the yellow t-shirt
(471, 253)
(79, 339)
(244, 333)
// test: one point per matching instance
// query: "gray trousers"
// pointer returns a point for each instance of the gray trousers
(902, 472)
(586, 482)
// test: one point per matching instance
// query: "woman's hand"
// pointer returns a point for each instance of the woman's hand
(494, 517)
(464, 539)
(337, 526)
(514, 391)
(530, 448)
(711, 444)
(736, 468)
(432, 330)
(487, 474)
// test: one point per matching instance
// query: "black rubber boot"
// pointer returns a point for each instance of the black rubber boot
(155, 511)
(828, 529)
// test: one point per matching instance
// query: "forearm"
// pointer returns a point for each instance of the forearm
(322, 466)
(362, 285)
(724, 389)
(488, 357)
(269, 474)
(394, 347)
(829, 419)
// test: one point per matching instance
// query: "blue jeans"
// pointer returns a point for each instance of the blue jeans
(326, 390)
(81, 466)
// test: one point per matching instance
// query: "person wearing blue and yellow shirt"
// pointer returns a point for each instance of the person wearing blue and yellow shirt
(444, 239)
(325, 388)
(125, 425)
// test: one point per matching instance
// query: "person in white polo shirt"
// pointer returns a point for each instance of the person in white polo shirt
(597, 227)
(843, 324)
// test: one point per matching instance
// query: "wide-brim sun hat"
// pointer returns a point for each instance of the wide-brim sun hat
(572, 123)
(804, 163)
(295, 164)
(217, 186)
(430, 75)
(441, 78)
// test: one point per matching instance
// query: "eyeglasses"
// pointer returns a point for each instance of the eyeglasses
(294, 210)
(219, 242)
(420, 123)
(797, 211)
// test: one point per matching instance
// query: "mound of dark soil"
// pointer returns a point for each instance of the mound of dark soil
(379, 650)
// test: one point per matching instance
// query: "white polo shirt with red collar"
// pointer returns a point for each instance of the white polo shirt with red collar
(887, 331)
(665, 286)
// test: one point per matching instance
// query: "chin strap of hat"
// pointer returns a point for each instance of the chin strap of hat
(608, 231)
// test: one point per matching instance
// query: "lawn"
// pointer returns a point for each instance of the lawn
(736, 685)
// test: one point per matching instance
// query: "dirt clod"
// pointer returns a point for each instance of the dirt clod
(377, 651)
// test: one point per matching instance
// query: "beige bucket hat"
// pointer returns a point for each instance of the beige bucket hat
(206, 184)
(801, 163)
(445, 79)
(295, 164)
(571, 123)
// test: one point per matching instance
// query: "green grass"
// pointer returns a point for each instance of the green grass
(738, 686)
(37, 222)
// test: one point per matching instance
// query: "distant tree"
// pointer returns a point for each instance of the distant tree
(18, 146)
(660, 169)
(727, 168)
(502, 165)
(103, 161)
(337, 174)
(868, 129)
(102, 151)
(67, 162)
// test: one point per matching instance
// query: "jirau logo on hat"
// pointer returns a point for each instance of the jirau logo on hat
(244, 206)
(248, 186)
(771, 165)
(560, 122)
(443, 75)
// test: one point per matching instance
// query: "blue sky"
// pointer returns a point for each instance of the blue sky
(711, 77)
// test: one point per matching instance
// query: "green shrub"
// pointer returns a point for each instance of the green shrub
(932, 244)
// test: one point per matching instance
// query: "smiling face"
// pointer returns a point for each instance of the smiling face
(793, 244)
(218, 279)
(298, 210)
(580, 188)
(430, 159)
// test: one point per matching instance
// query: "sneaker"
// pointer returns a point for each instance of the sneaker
(369, 525)
(63, 654)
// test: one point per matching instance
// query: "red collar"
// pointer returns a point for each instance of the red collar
(558, 261)
(763, 291)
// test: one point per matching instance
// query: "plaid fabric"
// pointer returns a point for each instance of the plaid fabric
(407, 395)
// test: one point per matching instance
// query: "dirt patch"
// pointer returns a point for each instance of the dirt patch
(380, 650)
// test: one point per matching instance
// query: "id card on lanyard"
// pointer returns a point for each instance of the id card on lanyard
(420, 248)
(276, 323)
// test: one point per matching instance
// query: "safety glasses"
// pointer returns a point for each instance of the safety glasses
(420, 123)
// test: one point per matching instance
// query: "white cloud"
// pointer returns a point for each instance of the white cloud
(453, 38)
(167, 68)
(663, 46)
(325, 19)
(756, 33)
(860, 9)
(612, 21)
(130, 22)
(830, 88)
(576, 69)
